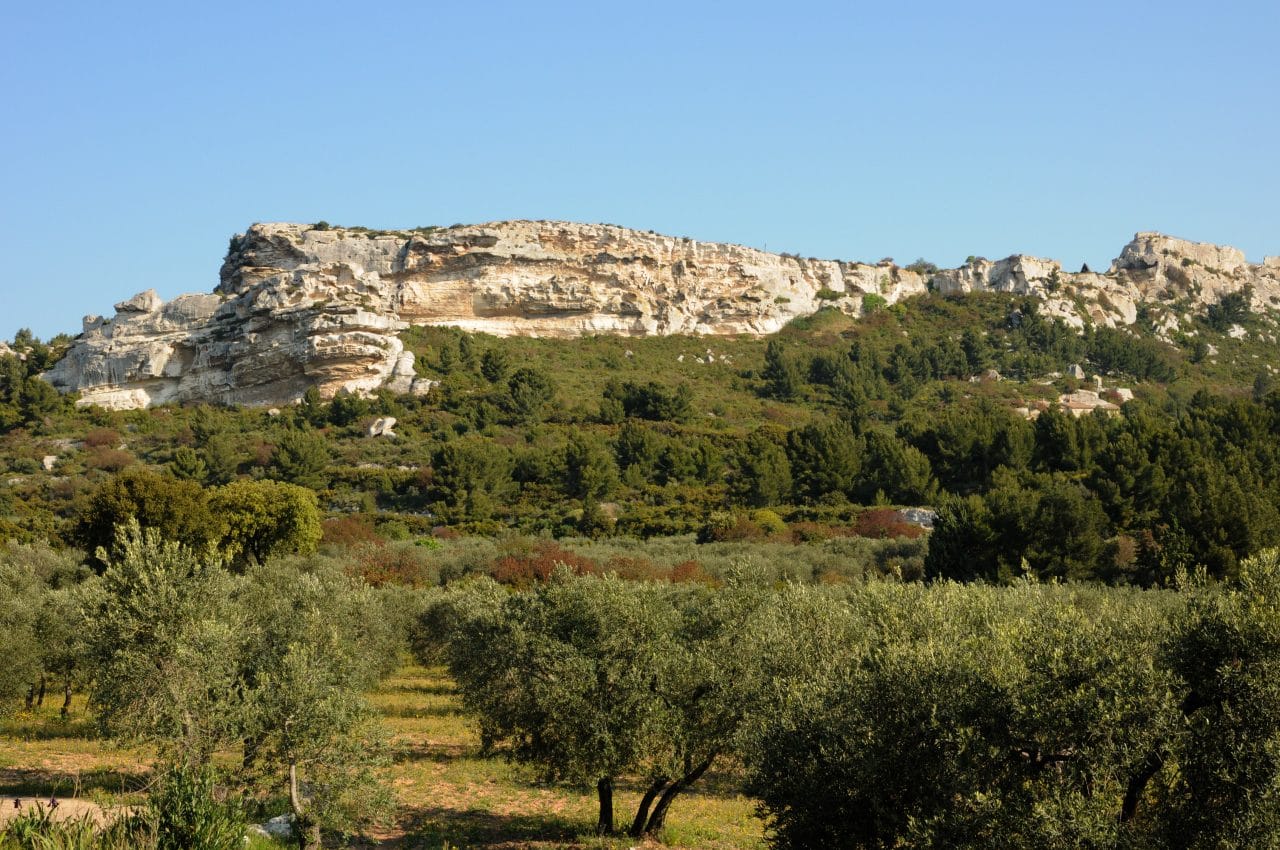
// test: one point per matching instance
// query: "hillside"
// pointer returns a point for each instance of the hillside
(300, 306)
(918, 403)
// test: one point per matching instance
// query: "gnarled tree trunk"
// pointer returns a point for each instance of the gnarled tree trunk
(659, 816)
(604, 789)
(642, 812)
(305, 828)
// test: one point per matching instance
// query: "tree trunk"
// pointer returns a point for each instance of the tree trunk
(250, 757)
(305, 829)
(310, 836)
(642, 813)
(659, 817)
(1138, 785)
(66, 698)
(40, 693)
(604, 788)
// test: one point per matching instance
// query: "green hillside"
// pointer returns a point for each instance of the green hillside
(922, 403)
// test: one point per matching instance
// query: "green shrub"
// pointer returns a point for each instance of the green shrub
(187, 814)
(769, 521)
(872, 302)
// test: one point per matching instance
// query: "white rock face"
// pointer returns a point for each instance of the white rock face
(1153, 270)
(299, 307)
(383, 427)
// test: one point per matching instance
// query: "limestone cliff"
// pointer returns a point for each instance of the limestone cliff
(300, 306)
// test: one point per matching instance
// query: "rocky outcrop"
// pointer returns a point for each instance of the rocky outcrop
(1172, 277)
(300, 306)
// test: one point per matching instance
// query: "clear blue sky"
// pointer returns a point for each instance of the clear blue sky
(137, 137)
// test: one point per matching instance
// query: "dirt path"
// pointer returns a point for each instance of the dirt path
(66, 809)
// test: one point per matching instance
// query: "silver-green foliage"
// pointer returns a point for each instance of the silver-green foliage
(970, 716)
(19, 639)
(589, 678)
(166, 644)
(193, 659)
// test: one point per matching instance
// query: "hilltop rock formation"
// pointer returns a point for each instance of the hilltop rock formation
(300, 306)
(1163, 272)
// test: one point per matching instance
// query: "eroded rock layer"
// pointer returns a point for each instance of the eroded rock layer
(298, 306)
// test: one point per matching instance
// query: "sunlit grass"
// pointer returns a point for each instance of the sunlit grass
(449, 793)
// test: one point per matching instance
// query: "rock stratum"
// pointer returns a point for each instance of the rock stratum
(301, 305)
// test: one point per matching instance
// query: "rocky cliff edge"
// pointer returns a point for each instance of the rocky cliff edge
(302, 305)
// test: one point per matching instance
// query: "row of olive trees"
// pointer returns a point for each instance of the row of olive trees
(894, 715)
(178, 652)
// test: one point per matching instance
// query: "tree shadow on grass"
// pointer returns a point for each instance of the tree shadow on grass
(434, 828)
(38, 728)
(30, 782)
(433, 753)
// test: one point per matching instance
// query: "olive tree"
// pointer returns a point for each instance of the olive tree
(1224, 766)
(561, 677)
(588, 678)
(19, 643)
(315, 641)
(38, 592)
(164, 647)
(706, 685)
(967, 717)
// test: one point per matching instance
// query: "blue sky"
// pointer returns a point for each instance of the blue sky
(137, 137)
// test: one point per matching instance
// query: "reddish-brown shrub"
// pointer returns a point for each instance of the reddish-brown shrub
(102, 438)
(692, 572)
(350, 530)
(109, 460)
(522, 570)
(379, 563)
(636, 568)
(884, 523)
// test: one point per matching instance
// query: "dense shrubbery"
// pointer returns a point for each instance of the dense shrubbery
(688, 436)
(639, 564)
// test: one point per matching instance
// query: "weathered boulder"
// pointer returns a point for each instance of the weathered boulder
(382, 427)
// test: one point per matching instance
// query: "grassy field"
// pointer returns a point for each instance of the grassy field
(451, 796)
(448, 794)
(41, 756)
